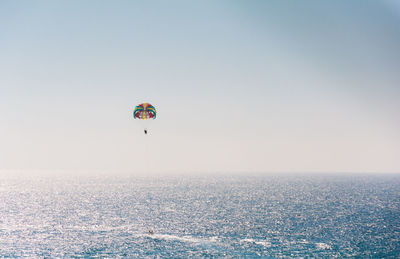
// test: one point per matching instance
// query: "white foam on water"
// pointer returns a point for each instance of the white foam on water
(323, 246)
(264, 243)
(186, 239)
(214, 239)
(248, 240)
(253, 241)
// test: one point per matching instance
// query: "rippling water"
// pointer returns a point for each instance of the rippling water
(241, 216)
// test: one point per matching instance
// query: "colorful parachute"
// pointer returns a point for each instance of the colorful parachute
(144, 111)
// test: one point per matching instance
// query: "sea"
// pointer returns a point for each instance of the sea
(204, 216)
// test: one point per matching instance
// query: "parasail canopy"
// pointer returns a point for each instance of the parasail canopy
(144, 111)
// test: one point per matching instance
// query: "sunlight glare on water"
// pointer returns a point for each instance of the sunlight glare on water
(269, 216)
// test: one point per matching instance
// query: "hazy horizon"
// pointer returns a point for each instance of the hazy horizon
(239, 86)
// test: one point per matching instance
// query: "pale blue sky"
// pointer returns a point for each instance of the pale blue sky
(240, 86)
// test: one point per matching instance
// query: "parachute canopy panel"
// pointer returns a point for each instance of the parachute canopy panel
(144, 111)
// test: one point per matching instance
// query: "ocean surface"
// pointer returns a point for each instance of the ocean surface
(273, 216)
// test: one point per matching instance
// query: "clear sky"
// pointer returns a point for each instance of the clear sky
(240, 86)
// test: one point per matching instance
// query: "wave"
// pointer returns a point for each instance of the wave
(186, 239)
(259, 242)
(323, 246)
